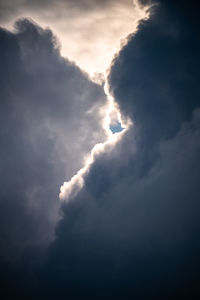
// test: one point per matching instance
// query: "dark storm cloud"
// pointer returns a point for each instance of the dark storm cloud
(125, 238)
(133, 230)
(164, 68)
(49, 120)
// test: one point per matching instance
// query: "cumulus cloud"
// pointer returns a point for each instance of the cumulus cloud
(50, 120)
(132, 231)
(126, 237)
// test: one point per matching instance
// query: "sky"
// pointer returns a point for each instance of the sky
(100, 143)
(81, 26)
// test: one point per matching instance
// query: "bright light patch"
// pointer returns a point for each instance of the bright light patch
(91, 32)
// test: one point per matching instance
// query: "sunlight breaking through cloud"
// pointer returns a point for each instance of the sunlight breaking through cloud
(91, 34)
(114, 125)
(70, 188)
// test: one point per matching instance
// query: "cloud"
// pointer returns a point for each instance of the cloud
(132, 231)
(126, 237)
(49, 120)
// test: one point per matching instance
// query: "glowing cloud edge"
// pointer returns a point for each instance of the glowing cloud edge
(70, 188)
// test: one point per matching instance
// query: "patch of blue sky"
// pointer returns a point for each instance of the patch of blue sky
(116, 127)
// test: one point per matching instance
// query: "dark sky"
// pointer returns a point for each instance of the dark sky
(132, 231)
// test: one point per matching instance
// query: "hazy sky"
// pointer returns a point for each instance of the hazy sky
(89, 31)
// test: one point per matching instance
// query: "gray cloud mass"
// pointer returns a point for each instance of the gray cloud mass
(132, 231)
(50, 120)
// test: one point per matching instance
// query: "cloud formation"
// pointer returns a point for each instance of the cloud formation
(132, 231)
(50, 120)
